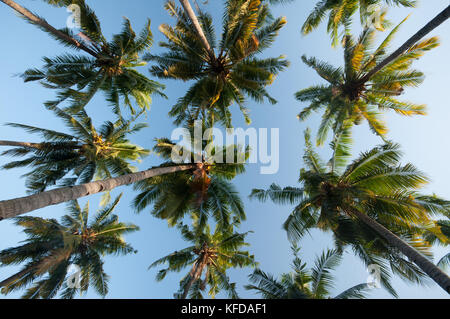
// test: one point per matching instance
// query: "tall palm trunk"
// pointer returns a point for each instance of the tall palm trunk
(14, 207)
(192, 16)
(43, 24)
(195, 274)
(39, 146)
(20, 144)
(424, 263)
(433, 24)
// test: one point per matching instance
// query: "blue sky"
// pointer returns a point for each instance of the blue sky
(423, 139)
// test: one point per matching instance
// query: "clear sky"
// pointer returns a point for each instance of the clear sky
(423, 139)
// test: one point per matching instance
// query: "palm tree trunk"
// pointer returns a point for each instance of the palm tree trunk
(424, 263)
(38, 146)
(191, 14)
(43, 24)
(195, 274)
(20, 144)
(14, 207)
(433, 24)
(189, 284)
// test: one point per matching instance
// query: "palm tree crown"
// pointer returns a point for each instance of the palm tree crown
(211, 255)
(201, 192)
(52, 247)
(346, 98)
(224, 77)
(79, 156)
(112, 69)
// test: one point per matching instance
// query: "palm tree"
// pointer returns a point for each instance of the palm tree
(223, 73)
(346, 97)
(111, 67)
(81, 155)
(305, 283)
(340, 13)
(52, 246)
(206, 191)
(17, 206)
(372, 205)
(210, 255)
(14, 207)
